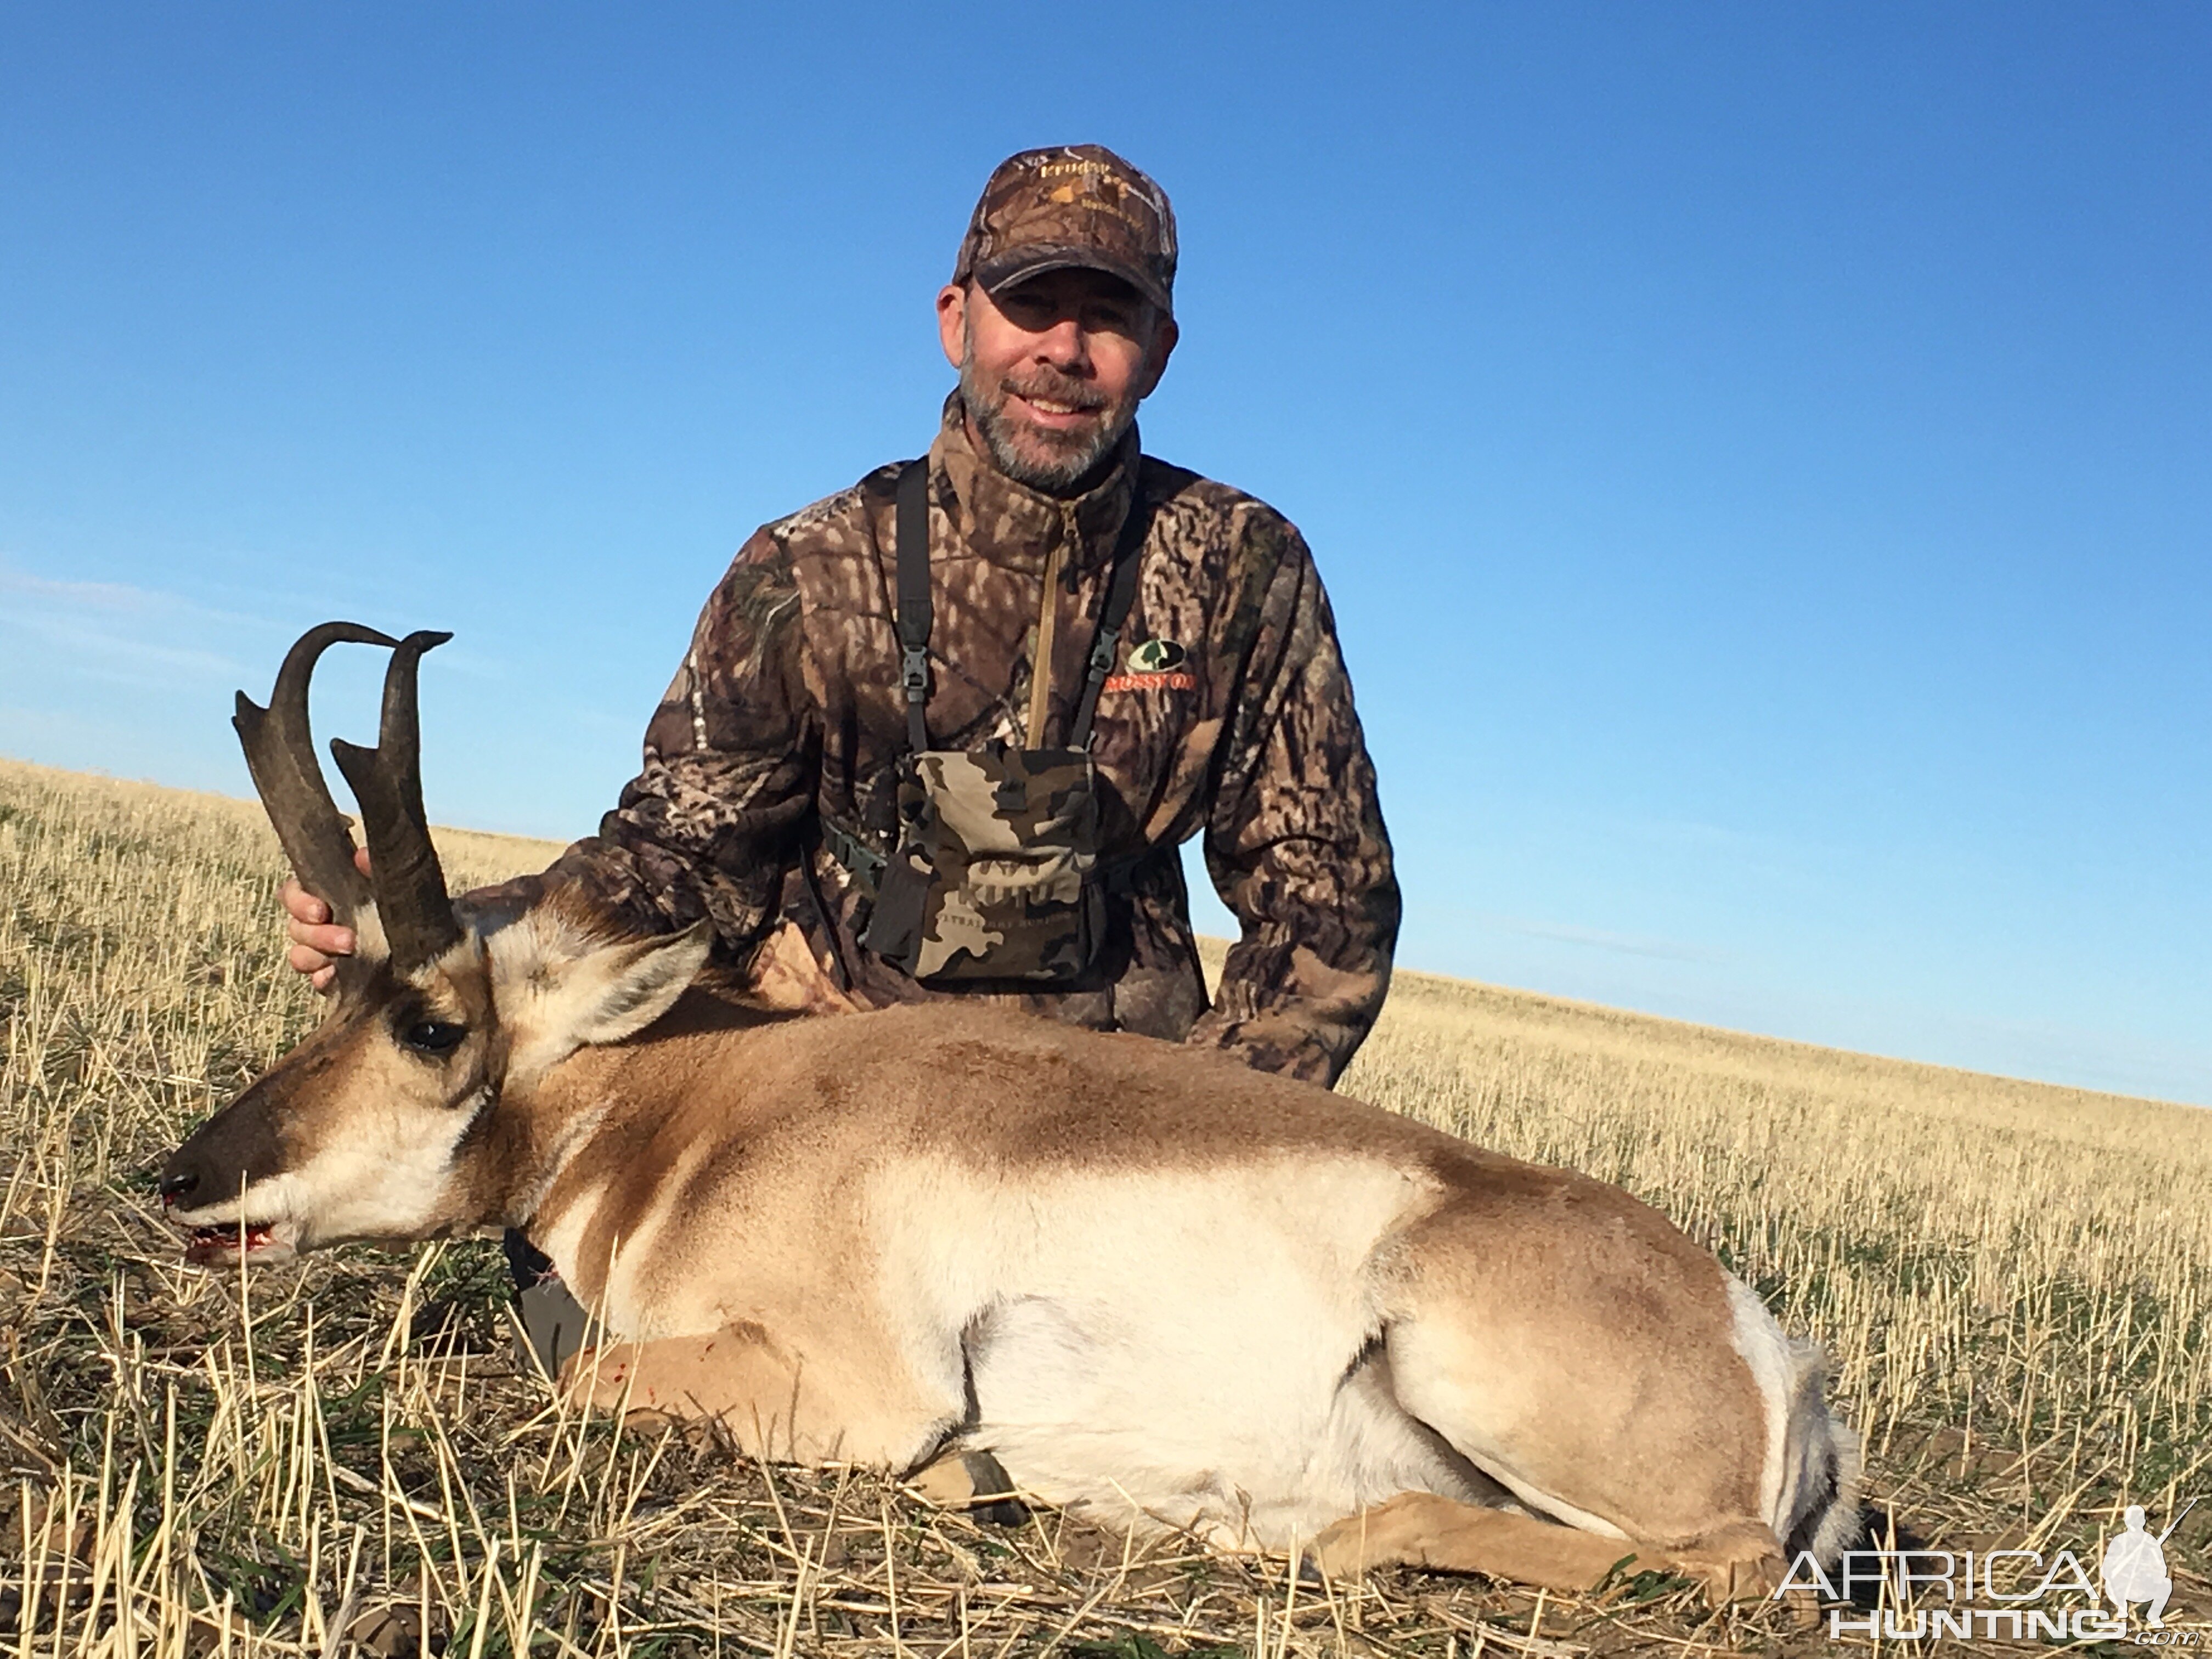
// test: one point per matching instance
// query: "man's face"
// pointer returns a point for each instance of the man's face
(1051, 370)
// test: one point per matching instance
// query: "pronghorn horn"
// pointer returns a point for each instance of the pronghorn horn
(280, 753)
(387, 781)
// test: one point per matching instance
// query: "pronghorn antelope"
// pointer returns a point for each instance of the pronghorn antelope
(1161, 1289)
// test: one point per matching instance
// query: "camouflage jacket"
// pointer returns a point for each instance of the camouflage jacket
(787, 711)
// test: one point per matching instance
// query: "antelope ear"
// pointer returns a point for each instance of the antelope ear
(620, 989)
(559, 987)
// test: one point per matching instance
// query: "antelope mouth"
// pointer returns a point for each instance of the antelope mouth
(230, 1240)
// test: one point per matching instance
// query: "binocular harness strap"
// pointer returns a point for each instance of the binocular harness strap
(914, 615)
(914, 612)
(1119, 597)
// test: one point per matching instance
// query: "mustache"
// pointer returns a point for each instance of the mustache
(1056, 388)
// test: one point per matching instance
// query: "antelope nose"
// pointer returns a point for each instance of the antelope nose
(177, 1183)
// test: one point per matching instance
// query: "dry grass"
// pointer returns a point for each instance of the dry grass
(2015, 1280)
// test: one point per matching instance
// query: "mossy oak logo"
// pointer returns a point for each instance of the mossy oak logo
(1154, 665)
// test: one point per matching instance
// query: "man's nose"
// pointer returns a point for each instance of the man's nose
(1067, 345)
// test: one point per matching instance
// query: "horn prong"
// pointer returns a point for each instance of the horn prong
(409, 885)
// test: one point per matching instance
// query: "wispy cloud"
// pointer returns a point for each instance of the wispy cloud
(121, 634)
(130, 650)
(1681, 832)
(1599, 939)
(109, 599)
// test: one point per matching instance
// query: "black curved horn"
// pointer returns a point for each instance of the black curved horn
(387, 781)
(280, 753)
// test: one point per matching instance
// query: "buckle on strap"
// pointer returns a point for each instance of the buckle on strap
(1118, 877)
(914, 673)
(865, 864)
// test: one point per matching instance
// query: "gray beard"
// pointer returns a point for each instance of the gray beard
(1057, 474)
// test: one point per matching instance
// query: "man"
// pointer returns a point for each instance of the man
(2133, 1567)
(779, 796)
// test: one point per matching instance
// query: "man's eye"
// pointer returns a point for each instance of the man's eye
(433, 1036)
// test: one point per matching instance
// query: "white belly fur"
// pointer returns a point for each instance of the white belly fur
(1230, 1397)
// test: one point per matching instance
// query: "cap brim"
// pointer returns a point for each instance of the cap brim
(1017, 266)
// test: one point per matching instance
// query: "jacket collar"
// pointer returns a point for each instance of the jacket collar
(1012, 526)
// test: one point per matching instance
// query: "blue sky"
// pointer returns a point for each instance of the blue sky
(1758, 454)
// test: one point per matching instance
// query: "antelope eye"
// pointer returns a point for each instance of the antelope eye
(433, 1036)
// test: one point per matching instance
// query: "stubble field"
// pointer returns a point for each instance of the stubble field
(2015, 1281)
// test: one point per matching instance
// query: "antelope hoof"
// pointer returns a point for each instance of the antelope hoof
(1731, 1577)
(1349, 1547)
(975, 1481)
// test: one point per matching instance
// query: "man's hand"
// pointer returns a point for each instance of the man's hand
(316, 940)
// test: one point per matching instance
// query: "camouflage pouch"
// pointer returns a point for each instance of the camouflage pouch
(995, 875)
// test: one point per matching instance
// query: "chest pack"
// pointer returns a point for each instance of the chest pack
(995, 874)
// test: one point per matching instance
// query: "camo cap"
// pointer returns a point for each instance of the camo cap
(1077, 205)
